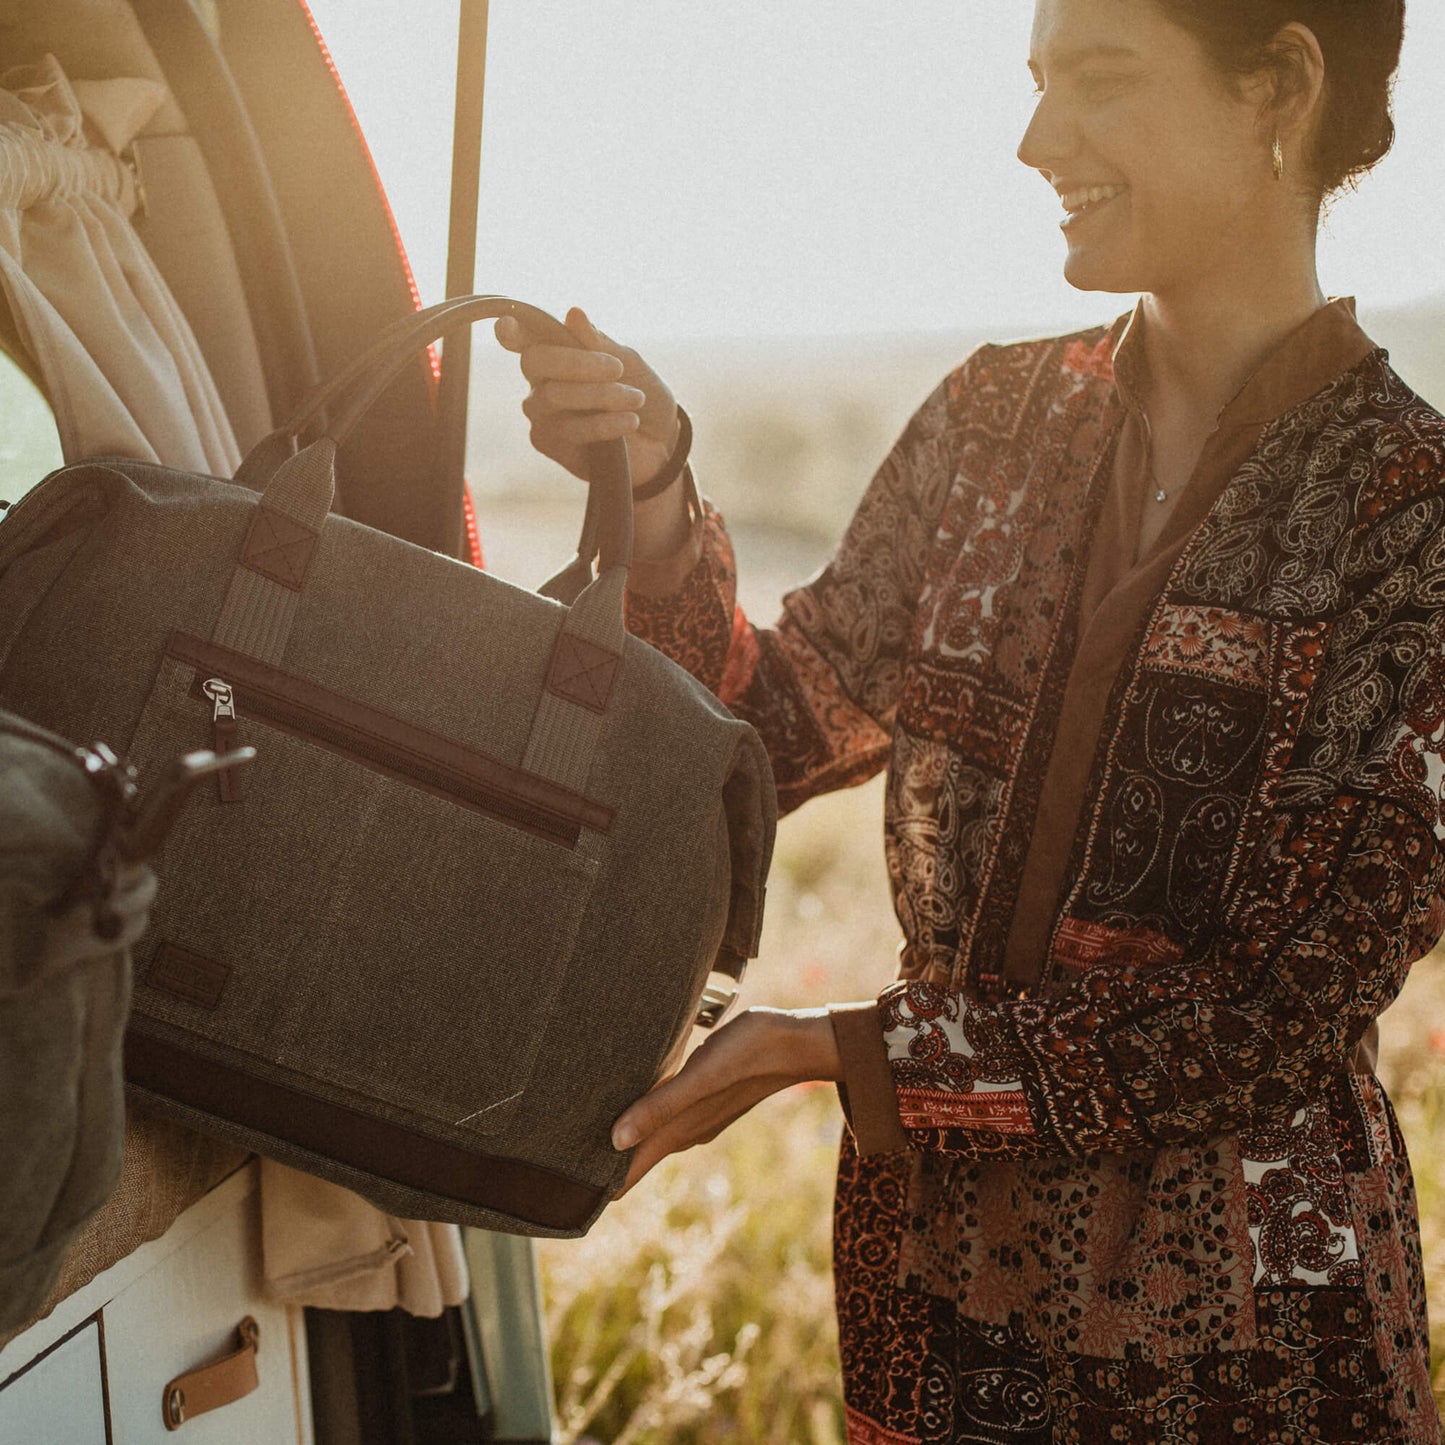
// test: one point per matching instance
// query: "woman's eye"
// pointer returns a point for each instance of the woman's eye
(1099, 83)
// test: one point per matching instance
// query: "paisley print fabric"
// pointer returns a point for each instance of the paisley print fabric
(1299, 1209)
(1144, 1198)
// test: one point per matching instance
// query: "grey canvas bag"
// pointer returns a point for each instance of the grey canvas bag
(491, 860)
(67, 918)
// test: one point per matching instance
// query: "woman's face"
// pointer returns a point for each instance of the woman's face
(1159, 162)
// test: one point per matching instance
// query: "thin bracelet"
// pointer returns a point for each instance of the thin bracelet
(672, 468)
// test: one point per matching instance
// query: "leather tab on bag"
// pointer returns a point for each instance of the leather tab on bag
(230, 782)
(279, 547)
(582, 672)
(198, 1392)
(189, 976)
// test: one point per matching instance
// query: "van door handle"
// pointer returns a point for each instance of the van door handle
(202, 1390)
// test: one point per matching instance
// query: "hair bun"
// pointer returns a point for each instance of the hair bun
(1360, 41)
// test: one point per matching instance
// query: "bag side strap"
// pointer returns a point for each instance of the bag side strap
(572, 711)
(606, 534)
(260, 605)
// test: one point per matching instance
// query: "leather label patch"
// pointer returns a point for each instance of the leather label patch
(186, 975)
(278, 547)
(582, 672)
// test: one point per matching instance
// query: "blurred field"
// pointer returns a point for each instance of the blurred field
(700, 1308)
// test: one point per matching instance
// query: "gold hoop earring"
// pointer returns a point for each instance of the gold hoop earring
(1277, 152)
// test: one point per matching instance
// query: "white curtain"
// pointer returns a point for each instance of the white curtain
(119, 363)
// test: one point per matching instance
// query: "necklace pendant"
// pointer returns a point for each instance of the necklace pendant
(1161, 495)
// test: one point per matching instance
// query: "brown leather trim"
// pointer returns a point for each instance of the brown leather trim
(866, 1089)
(230, 782)
(279, 547)
(375, 1146)
(399, 749)
(582, 672)
(214, 1386)
(186, 975)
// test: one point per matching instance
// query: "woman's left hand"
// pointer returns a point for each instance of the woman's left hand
(758, 1053)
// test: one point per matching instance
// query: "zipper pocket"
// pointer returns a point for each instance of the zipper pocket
(382, 743)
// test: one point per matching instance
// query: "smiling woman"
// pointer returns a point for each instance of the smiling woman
(1158, 156)
(1145, 623)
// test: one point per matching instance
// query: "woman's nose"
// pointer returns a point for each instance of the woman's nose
(1049, 138)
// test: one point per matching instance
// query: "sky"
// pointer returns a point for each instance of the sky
(791, 167)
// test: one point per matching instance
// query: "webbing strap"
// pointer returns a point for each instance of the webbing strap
(572, 711)
(260, 606)
(259, 612)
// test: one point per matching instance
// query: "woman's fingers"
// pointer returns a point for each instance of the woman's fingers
(566, 363)
(698, 1123)
(594, 360)
(577, 429)
(760, 1052)
(548, 398)
(585, 332)
(592, 392)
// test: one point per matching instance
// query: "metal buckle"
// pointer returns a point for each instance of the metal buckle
(714, 1004)
(721, 990)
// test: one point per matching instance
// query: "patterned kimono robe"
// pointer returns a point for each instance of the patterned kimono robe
(1164, 837)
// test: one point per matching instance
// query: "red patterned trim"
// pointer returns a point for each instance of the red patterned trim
(955, 706)
(1080, 944)
(1211, 641)
(1085, 360)
(1005, 1111)
(474, 536)
(1411, 472)
(863, 1431)
(742, 660)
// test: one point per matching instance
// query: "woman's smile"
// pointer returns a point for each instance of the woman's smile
(1083, 202)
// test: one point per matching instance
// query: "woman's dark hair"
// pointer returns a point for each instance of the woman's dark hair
(1360, 40)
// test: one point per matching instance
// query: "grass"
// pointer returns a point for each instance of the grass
(700, 1307)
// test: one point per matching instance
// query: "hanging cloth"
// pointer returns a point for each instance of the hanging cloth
(117, 359)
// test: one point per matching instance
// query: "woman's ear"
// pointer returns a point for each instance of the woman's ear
(1294, 100)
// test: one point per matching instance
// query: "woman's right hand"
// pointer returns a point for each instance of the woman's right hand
(597, 393)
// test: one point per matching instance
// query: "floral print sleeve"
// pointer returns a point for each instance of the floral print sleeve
(822, 686)
(1130, 1057)
(1334, 870)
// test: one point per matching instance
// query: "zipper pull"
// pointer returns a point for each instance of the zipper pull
(226, 733)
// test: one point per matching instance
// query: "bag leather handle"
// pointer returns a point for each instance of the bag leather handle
(269, 453)
(607, 527)
(212, 1386)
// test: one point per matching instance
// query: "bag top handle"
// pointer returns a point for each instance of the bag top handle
(607, 527)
